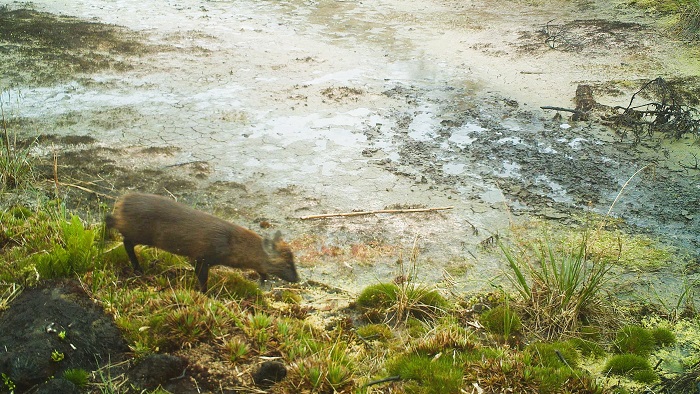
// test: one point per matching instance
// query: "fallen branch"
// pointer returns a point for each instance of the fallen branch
(358, 213)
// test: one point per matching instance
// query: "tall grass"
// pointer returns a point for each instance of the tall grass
(688, 26)
(16, 163)
(558, 286)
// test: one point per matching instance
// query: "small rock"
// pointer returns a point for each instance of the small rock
(269, 373)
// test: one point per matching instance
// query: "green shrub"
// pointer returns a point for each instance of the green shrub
(623, 364)
(635, 340)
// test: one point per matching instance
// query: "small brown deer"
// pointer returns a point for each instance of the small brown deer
(147, 219)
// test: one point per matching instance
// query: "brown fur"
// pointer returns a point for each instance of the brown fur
(147, 219)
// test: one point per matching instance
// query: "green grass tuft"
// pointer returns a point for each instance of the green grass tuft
(77, 376)
(74, 253)
(558, 285)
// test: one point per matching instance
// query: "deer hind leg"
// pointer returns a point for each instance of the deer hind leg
(129, 246)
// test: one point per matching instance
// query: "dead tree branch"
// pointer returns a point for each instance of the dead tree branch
(358, 213)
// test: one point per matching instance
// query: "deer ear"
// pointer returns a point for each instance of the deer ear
(278, 237)
(268, 246)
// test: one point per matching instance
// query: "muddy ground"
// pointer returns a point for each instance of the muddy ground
(263, 112)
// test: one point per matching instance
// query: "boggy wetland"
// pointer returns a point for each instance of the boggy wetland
(483, 243)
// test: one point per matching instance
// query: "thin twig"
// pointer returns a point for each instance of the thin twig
(380, 381)
(85, 189)
(186, 163)
(358, 213)
(619, 194)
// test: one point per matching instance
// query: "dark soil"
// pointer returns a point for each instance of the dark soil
(33, 326)
(43, 48)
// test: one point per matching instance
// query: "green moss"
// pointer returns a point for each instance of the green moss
(623, 364)
(663, 336)
(290, 297)
(430, 298)
(409, 300)
(381, 295)
(241, 288)
(434, 376)
(551, 380)
(587, 348)
(553, 355)
(448, 335)
(590, 333)
(635, 340)
(415, 327)
(380, 332)
(20, 212)
(645, 376)
(501, 320)
(115, 256)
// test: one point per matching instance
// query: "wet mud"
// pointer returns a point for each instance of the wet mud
(264, 112)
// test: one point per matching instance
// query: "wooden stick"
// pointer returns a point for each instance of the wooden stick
(85, 189)
(344, 214)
